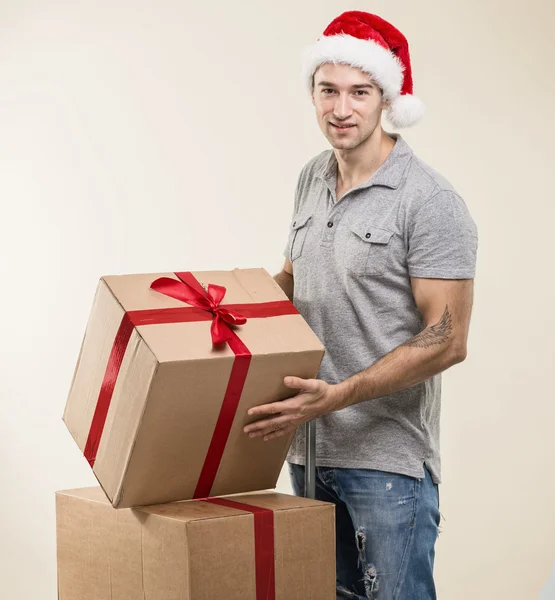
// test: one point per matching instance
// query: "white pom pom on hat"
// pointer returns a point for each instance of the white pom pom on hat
(405, 110)
(366, 41)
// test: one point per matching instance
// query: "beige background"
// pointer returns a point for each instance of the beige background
(141, 136)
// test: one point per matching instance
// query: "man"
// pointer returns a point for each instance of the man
(380, 262)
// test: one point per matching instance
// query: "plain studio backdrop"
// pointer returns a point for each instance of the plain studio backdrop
(147, 137)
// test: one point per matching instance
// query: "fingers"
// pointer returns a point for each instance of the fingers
(275, 408)
(279, 433)
(267, 426)
(285, 416)
(270, 428)
(306, 385)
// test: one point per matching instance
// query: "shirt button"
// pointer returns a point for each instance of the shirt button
(368, 235)
(294, 223)
(330, 224)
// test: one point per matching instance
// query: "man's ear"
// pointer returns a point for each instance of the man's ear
(385, 103)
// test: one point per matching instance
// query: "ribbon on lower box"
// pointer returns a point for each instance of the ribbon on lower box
(205, 305)
(264, 551)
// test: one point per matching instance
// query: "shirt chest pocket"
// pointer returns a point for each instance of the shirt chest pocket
(368, 248)
(299, 229)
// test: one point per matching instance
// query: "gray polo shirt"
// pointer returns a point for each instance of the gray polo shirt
(352, 262)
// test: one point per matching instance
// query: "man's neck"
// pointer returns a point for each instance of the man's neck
(354, 167)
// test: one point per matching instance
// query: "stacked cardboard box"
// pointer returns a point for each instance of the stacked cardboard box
(169, 365)
(196, 550)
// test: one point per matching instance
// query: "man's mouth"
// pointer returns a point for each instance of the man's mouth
(342, 127)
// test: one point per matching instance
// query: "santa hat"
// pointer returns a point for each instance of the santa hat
(367, 41)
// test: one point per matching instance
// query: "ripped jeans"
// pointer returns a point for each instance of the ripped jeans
(386, 529)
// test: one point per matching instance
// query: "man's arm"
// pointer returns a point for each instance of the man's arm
(446, 307)
(285, 279)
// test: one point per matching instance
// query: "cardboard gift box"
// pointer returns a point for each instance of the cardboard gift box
(169, 365)
(263, 546)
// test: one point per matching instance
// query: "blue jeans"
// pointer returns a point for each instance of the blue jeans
(386, 529)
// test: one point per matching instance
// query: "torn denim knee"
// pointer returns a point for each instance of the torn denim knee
(371, 583)
(369, 571)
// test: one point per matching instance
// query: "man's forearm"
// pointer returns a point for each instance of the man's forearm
(286, 283)
(430, 352)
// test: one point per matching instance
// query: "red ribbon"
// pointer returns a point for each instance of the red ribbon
(204, 306)
(107, 388)
(187, 290)
(264, 551)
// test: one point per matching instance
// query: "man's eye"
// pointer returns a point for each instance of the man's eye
(362, 92)
(328, 91)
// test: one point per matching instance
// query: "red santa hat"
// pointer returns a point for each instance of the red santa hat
(370, 43)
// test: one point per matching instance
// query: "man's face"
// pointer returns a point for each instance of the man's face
(348, 105)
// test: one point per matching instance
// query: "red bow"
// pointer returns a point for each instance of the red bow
(209, 301)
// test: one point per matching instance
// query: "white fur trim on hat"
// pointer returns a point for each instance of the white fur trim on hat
(384, 67)
(405, 111)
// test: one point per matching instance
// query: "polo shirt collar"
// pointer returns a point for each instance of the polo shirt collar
(390, 172)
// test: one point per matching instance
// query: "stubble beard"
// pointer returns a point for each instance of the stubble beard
(349, 144)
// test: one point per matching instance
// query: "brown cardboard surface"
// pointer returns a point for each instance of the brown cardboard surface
(124, 419)
(190, 550)
(98, 549)
(101, 330)
(170, 387)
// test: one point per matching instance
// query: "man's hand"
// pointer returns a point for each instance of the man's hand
(316, 398)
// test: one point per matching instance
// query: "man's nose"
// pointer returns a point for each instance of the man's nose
(342, 108)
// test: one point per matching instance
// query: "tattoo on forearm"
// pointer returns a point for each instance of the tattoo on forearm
(434, 335)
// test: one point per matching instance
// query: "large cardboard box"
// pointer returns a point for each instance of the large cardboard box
(158, 409)
(194, 550)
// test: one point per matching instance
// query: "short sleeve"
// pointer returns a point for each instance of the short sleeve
(442, 239)
(287, 249)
